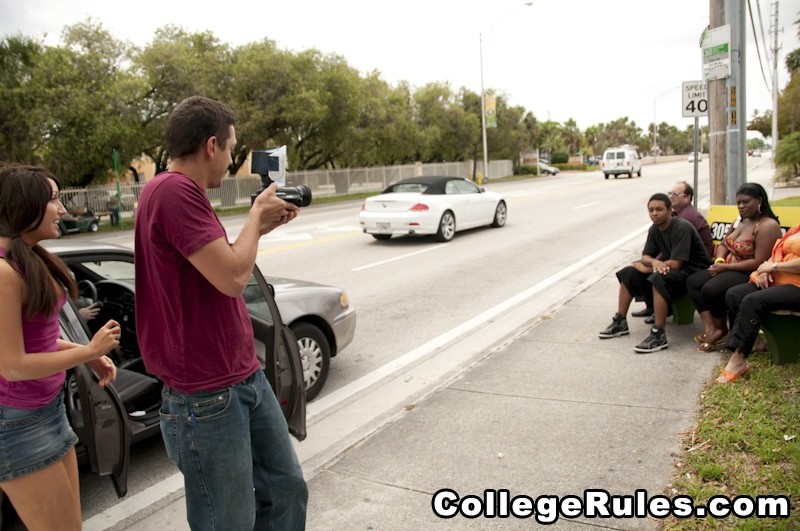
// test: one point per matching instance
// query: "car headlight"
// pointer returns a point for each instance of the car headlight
(343, 300)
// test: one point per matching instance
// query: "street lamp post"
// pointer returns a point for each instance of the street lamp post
(483, 117)
(483, 96)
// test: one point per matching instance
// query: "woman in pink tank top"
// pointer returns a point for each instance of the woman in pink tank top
(38, 467)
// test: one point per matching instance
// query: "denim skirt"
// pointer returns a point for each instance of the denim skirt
(33, 439)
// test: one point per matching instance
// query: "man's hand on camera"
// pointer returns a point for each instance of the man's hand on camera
(273, 211)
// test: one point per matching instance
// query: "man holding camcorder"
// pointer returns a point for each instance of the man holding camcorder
(220, 420)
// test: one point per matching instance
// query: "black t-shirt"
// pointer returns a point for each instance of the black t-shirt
(679, 242)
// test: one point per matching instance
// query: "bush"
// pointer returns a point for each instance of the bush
(559, 157)
(525, 170)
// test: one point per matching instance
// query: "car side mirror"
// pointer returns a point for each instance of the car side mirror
(482, 189)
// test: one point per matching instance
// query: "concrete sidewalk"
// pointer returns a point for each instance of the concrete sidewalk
(555, 412)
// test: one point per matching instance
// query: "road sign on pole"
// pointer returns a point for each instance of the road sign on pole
(695, 99)
(716, 46)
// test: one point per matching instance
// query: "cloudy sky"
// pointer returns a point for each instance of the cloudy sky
(590, 60)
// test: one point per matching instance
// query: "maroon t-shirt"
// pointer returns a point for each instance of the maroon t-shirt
(192, 336)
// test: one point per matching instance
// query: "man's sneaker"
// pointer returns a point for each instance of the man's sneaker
(657, 340)
(618, 327)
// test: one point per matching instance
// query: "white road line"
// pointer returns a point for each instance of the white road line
(396, 258)
(586, 205)
(117, 513)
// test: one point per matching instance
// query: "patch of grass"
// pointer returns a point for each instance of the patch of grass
(787, 201)
(746, 442)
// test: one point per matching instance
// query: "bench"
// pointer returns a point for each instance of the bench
(782, 332)
(781, 328)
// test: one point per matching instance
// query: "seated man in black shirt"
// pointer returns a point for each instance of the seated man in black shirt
(658, 280)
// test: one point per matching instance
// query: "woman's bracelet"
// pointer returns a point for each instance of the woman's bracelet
(719, 260)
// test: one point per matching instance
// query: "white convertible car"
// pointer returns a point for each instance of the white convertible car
(431, 205)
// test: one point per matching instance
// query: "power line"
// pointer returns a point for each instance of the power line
(758, 50)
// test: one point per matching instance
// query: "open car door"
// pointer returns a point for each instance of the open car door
(97, 415)
(276, 348)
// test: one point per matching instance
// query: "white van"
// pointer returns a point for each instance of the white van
(621, 160)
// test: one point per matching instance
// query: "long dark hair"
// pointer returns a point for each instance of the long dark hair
(757, 191)
(24, 194)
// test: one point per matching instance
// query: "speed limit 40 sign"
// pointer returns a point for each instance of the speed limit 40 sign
(695, 99)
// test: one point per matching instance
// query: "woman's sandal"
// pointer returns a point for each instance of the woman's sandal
(730, 377)
(700, 339)
(708, 346)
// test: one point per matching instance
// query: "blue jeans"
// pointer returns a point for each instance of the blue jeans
(239, 467)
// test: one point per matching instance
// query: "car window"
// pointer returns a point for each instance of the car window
(451, 188)
(465, 187)
(409, 187)
(111, 269)
(620, 155)
(256, 301)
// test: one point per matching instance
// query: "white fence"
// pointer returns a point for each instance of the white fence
(236, 191)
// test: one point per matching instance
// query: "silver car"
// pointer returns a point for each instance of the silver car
(323, 321)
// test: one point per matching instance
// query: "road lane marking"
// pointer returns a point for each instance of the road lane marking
(307, 243)
(396, 258)
(586, 205)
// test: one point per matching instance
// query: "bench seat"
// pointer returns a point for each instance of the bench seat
(782, 331)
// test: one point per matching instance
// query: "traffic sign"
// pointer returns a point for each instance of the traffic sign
(695, 98)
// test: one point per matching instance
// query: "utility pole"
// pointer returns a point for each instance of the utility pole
(736, 159)
(717, 118)
(775, 52)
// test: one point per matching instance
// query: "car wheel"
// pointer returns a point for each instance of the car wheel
(447, 227)
(315, 354)
(639, 173)
(381, 236)
(93, 226)
(500, 214)
(605, 175)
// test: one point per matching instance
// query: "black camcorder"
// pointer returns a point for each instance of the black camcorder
(274, 160)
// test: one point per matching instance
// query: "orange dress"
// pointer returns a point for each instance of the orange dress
(784, 250)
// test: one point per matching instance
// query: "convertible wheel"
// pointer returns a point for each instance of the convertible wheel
(94, 227)
(447, 227)
(500, 214)
(315, 354)
(381, 236)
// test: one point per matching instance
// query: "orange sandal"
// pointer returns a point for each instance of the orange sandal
(730, 377)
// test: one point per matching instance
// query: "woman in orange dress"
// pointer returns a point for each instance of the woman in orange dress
(775, 285)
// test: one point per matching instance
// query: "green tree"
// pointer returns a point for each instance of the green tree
(174, 66)
(788, 152)
(761, 123)
(82, 91)
(573, 138)
(20, 114)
